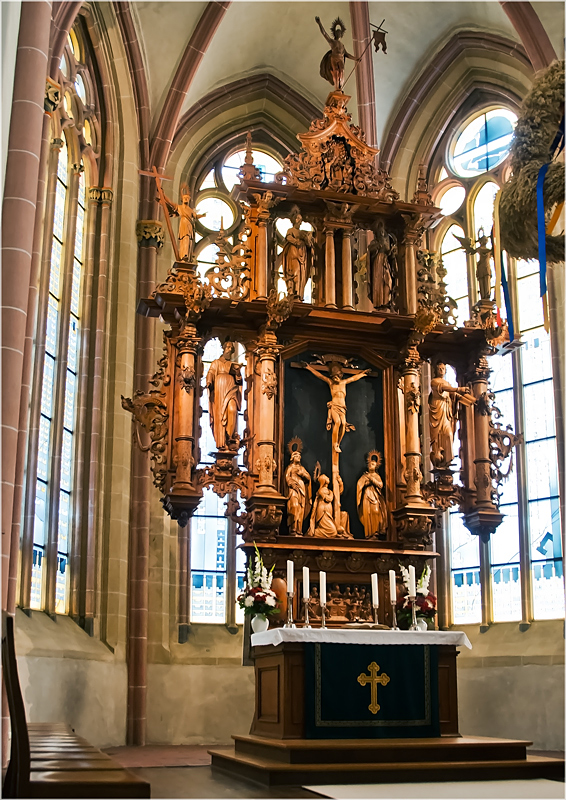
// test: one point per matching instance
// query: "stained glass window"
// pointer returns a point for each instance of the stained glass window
(521, 380)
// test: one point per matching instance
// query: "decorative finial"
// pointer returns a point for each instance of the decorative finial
(248, 171)
(422, 196)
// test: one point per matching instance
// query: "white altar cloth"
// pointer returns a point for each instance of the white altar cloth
(345, 636)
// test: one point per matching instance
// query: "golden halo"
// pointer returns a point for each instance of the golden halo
(374, 455)
(295, 445)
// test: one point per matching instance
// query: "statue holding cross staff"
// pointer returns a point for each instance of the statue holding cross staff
(183, 210)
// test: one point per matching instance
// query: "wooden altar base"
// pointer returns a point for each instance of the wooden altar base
(286, 762)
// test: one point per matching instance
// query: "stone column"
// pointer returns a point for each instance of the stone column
(347, 277)
(18, 224)
(330, 270)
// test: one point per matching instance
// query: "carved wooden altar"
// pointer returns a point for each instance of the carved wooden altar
(379, 307)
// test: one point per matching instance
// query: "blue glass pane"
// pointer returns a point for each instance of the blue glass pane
(207, 443)
(535, 356)
(36, 577)
(70, 390)
(548, 590)
(208, 543)
(466, 597)
(76, 288)
(211, 505)
(73, 344)
(39, 528)
(47, 386)
(51, 328)
(66, 460)
(59, 213)
(61, 586)
(62, 163)
(530, 303)
(505, 540)
(43, 448)
(501, 372)
(544, 519)
(506, 593)
(539, 411)
(541, 469)
(208, 598)
(465, 548)
(240, 556)
(55, 273)
(64, 518)
(504, 402)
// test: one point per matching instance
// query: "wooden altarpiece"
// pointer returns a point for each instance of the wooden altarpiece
(378, 305)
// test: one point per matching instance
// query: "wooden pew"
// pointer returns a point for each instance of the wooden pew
(48, 759)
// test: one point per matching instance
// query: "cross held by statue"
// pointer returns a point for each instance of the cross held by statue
(373, 679)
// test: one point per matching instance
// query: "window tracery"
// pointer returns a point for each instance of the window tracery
(469, 175)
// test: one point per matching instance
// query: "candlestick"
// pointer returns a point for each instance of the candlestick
(306, 587)
(323, 621)
(290, 623)
(412, 600)
(394, 627)
(374, 592)
(375, 615)
(322, 588)
(392, 587)
(307, 623)
(412, 582)
(290, 576)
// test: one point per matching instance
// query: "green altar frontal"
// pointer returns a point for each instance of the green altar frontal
(370, 691)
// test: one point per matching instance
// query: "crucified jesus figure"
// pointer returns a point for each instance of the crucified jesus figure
(336, 419)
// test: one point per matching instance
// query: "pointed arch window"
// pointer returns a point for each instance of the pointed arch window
(52, 500)
(521, 565)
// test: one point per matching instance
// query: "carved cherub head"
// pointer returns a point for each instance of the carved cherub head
(439, 369)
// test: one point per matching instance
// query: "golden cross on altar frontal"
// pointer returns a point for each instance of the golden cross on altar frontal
(373, 679)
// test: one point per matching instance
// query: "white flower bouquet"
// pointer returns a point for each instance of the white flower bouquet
(258, 596)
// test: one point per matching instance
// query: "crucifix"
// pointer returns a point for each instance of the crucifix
(373, 679)
(163, 203)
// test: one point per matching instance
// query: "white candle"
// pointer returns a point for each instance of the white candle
(290, 567)
(306, 587)
(322, 579)
(374, 594)
(412, 582)
(392, 587)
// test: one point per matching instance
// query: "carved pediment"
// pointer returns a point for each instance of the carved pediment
(335, 156)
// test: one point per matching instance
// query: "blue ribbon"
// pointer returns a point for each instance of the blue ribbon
(541, 228)
(507, 298)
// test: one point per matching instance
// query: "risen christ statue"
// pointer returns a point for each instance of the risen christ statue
(336, 419)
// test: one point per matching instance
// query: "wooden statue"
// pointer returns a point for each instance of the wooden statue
(297, 256)
(332, 64)
(372, 510)
(187, 215)
(336, 419)
(382, 266)
(224, 382)
(298, 483)
(483, 265)
(322, 517)
(442, 408)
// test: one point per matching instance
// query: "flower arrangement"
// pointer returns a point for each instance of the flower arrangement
(425, 604)
(258, 597)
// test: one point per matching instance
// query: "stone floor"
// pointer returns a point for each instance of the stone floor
(201, 782)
